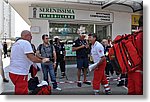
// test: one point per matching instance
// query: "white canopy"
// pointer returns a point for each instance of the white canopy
(22, 6)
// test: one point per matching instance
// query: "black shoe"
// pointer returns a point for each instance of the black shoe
(79, 84)
(86, 82)
(5, 80)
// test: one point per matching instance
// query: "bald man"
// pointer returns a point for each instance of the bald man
(22, 57)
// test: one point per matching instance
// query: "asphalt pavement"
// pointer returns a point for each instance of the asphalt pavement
(68, 85)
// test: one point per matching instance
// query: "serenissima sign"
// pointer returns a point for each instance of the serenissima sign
(61, 14)
(57, 10)
(53, 13)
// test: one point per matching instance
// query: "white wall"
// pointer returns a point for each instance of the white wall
(122, 24)
(44, 29)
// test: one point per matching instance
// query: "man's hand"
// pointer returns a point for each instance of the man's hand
(101, 61)
(44, 60)
(86, 46)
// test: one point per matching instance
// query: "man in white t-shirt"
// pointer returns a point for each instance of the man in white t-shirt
(22, 57)
(97, 52)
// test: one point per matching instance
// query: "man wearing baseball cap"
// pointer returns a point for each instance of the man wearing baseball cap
(81, 47)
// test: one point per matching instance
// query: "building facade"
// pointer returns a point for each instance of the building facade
(7, 17)
(67, 18)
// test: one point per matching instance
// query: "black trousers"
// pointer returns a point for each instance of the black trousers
(62, 67)
(108, 69)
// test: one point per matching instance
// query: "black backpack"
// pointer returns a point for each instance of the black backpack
(32, 83)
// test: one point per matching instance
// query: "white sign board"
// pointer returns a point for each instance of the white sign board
(35, 29)
(61, 14)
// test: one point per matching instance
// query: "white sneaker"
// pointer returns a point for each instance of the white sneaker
(96, 92)
(59, 89)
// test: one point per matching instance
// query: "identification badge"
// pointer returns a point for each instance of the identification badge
(61, 52)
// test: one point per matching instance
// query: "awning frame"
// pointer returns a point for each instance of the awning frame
(134, 10)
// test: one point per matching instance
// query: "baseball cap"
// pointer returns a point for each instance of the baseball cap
(42, 83)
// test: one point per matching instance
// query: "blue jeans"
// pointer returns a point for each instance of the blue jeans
(48, 68)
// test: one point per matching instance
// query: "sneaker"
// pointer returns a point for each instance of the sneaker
(87, 82)
(5, 80)
(79, 84)
(96, 92)
(59, 89)
(108, 92)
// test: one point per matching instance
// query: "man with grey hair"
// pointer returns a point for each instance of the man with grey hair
(81, 47)
(22, 57)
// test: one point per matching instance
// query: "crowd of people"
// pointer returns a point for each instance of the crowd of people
(51, 55)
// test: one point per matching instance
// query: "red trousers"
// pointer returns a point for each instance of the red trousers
(99, 76)
(20, 82)
(135, 83)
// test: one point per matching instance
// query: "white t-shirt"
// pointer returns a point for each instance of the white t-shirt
(19, 63)
(97, 51)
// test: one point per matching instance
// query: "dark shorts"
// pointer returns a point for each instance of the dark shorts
(82, 63)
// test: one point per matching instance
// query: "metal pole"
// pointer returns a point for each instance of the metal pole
(94, 28)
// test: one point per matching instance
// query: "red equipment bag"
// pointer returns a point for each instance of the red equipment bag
(33, 70)
(43, 90)
(124, 55)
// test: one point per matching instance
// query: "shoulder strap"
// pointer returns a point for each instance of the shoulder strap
(40, 47)
(51, 46)
(51, 49)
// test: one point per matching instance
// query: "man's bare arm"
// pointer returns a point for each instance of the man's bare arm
(38, 54)
(35, 59)
(55, 57)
